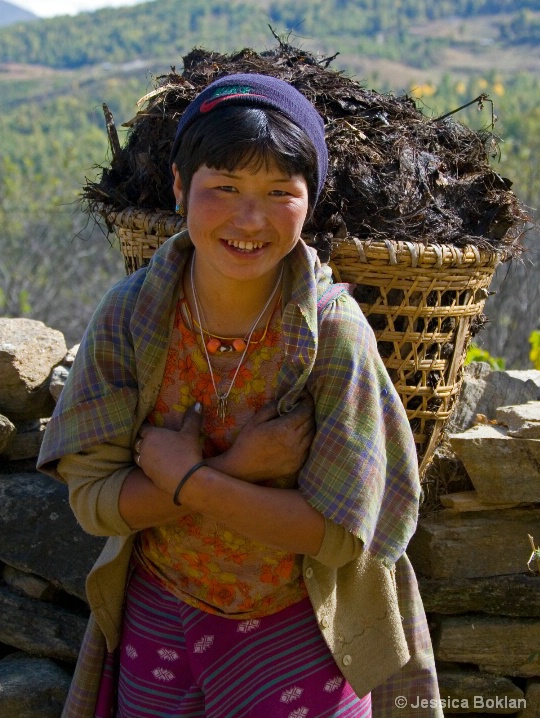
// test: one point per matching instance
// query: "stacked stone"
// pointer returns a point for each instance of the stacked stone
(472, 558)
(44, 554)
(482, 600)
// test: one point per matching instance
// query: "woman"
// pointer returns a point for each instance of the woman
(244, 575)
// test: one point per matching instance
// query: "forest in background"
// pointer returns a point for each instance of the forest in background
(55, 74)
(159, 29)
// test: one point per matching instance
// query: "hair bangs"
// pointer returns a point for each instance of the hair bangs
(239, 137)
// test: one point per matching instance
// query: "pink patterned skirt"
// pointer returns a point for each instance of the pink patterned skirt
(178, 661)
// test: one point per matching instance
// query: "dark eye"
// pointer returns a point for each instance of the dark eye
(279, 193)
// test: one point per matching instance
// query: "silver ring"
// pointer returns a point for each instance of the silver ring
(138, 445)
(137, 459)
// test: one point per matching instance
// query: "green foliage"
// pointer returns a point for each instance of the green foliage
(47, 272)
(475, 353)
(534, 354)
(521, 28)
(160, 29)
(46, 149)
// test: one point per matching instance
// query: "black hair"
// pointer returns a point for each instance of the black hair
(239, 137)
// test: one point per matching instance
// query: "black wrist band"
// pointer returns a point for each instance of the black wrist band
(183, 481)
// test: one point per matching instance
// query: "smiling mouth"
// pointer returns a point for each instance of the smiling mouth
(245, 246)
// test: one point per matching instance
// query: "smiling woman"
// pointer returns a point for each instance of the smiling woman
(229, 423)
(242, 226)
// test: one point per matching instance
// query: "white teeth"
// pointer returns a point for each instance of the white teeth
(246, 246)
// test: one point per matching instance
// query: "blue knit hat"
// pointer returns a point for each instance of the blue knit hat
(260, 91)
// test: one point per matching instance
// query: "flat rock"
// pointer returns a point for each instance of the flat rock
(39, 534)
(484, 390)
(7, 430)
(58, 379)
(29, 584)
(526, 375)
(26, 444)
(40, 628)
(28, 352)
(469, 501)
(503, 469)
(532, 697)
(499, 645)
(476, 692)
(72, 353)
(517, 595)
(451, 544)
(32, 687)
(522, 420)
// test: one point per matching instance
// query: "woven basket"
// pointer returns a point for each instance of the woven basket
(140, 231)
(420, 301)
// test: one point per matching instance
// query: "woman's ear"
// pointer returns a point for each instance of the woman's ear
(177, 184)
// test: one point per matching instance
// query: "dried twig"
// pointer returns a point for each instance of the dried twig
(327, 60)
(277, 37)
(534, 556)
(112, 134)
(480, 100)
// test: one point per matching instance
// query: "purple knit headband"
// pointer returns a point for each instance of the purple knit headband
(260, 91)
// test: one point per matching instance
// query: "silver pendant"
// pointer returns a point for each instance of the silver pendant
(222, 406)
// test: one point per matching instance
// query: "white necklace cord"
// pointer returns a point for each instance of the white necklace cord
(223, 396)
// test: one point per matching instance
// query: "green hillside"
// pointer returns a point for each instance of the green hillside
(165, 28)
(55, 74)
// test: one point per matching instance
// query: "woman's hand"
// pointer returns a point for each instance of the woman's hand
(166, 455)
(270, 446)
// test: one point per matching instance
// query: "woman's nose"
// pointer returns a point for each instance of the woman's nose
(250, 215)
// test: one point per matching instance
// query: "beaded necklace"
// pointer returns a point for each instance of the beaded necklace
(234, 343)
(223, 396)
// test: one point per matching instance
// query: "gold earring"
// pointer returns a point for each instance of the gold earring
(180, 209)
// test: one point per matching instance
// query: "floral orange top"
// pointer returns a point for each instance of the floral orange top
(205, 563)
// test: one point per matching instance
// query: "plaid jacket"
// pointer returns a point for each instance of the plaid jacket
(361, 473)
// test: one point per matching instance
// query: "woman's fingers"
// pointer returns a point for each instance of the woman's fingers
(145, 428)
(192, 420)
(266, 413)
(301, 425)
(165, 454)
(307, 434)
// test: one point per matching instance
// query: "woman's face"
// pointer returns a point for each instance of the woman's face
(243, 223)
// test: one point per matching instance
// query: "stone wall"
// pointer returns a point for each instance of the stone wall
(471, 557)
(44, 554)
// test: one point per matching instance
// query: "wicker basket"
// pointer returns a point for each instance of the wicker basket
(420, 300)
(140, 231)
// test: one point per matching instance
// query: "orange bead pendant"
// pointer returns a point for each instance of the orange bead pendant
(239, 345)
(213, 345)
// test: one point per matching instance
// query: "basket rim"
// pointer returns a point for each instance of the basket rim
(365, 251)
(400, 253)
(153, 221)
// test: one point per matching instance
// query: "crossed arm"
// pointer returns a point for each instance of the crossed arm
(227, 490)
